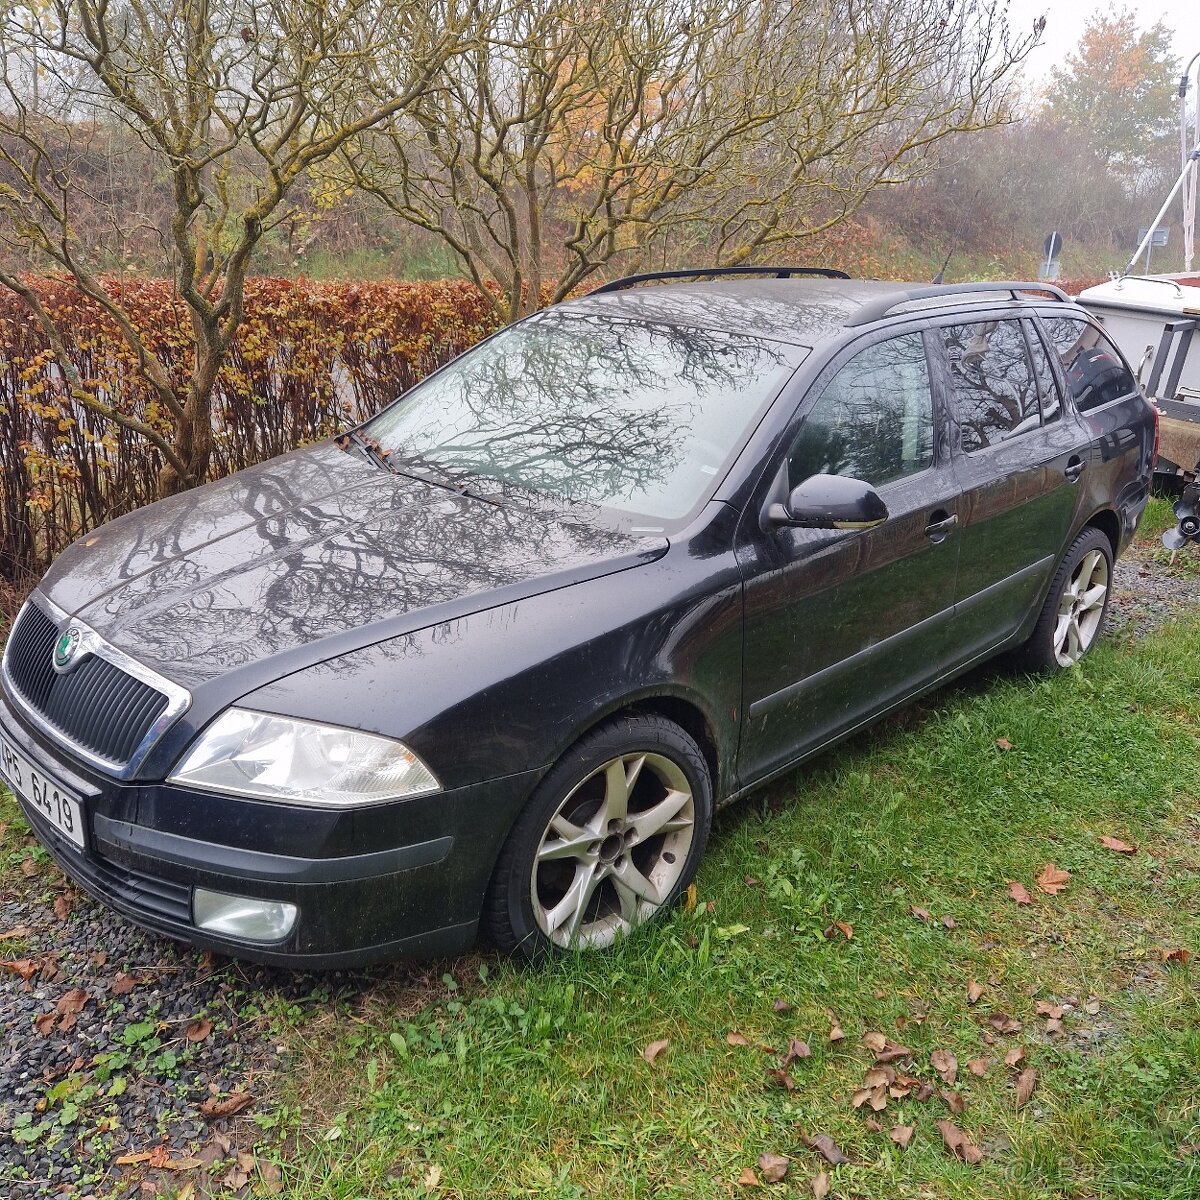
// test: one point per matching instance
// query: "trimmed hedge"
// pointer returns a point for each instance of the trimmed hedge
(310, 358)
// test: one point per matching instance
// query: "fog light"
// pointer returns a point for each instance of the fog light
(242, 916)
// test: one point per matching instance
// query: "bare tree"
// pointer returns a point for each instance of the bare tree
(572, 137)
(235, 102)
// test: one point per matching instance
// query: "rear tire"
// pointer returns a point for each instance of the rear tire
(1076, 606)
(609, 840)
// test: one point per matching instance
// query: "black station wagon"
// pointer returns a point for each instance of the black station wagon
(489, 663)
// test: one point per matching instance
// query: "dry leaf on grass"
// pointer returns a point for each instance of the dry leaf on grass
(974, 991)
(1003, 1023)
(780, 1078)
(922, 914)
(1018, 893)
(836, 1033)
(1120, 847)
(945, 1064)
(781, 1006)
(1053, 879)
(902, 1135)
(1179, 955)
(978, 1067)
(1026, 1082)
(774, 1167)
(826, 1147)
(1014, 1056)
(842, 927)
(949, 922)
(1002, 743)
(747, 1178)
(820, 1185)
(954, 1101)
(959, 1144)
(654, 1049)
(733, 1038)
(796, 1049)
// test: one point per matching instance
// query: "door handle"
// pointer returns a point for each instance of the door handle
(937, 531)
(1074, 468)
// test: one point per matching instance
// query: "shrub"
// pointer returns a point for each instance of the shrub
(311, 358)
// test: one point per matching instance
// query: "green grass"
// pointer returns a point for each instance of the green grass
(500, 1081)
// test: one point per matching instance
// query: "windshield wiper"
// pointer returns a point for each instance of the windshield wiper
(427, 471)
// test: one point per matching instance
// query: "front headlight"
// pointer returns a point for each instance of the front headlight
(278, 758)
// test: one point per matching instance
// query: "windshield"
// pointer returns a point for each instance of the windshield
(631, 416)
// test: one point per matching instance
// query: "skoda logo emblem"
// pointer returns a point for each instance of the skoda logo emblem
(66, 646)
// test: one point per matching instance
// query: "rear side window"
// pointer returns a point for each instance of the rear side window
(873, 421)
(992, 381)
(1047, 384)
(1093, 367)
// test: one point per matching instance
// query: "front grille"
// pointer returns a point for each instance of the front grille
(96, 706)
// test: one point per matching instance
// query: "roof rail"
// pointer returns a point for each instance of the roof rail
(878, 308)
(629, 281)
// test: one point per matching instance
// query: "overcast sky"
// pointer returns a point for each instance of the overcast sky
(1065, 20)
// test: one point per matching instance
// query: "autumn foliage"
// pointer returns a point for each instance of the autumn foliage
(309, 359)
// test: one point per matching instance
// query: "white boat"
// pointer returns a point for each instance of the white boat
(1155, 321)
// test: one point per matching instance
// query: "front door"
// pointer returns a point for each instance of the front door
(839, 625)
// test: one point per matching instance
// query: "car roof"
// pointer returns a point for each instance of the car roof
(804, 312)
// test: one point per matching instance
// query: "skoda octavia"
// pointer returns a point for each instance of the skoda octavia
(488, 663)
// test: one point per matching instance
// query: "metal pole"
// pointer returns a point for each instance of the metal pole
(1192, 159)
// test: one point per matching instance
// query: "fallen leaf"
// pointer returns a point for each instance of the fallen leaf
(122, 984)
(1053, 879)
(876, 1097)
(207, 961)
(1014, 1056)
(954, 1100)
(1179, 954)
(949, 922)
(28, 867)
(974, 991)
(214, 1106)
(747, 1178)
(235, 1179)
(1003, 743)
(842, 927)
(781, 1006)
(796, 1049)
(958, 1143)
(752, 882)
(17, 931)
(72, 1002)
(1026, 1082)
(774, 1167)
(1018, 893)
(25, 967)
(44, 1023)
(836, 1033)
(1112, 843)
(826, 1147)
(945, 1064)
(820, 1185)
(879, 1077)
(158, 1157)
(690, 897)
(183, 1164)
(272, 1178)
(924, 1092)
(1091, 1006)
(1054, 1027)
(131, 1160)
(62, 906)
(978, 1066)
(198, 1029)
(1003, 1023)
(1045, 1008)
(99, 959)
(654, 1049)
(875, 1041)
(733, 1038)
(902, 1135)
(872, 1124)
(922, 914)
(779, 1077)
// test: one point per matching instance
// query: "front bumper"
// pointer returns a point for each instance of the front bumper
(397, 881)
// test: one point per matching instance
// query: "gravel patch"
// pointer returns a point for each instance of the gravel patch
(115, 1042)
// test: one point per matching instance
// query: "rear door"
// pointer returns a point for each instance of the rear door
(840, 624)
(1021, 457)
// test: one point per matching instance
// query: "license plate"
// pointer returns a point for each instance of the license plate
(42, 792)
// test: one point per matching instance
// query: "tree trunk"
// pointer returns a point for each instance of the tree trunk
(193, 437)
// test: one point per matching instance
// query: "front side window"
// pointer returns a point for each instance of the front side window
(992, 383)
(1094, 369)
(873, 421)
(632, 416)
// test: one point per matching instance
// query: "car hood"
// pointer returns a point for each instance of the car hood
(315, 554)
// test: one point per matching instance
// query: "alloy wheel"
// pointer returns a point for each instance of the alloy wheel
(1081, 609)
(614, 850)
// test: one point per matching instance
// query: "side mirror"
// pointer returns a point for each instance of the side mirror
(830, 502)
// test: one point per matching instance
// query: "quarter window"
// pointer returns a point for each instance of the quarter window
(1094, 369)
(873, 421)
(992, 382)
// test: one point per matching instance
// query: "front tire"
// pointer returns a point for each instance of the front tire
(609, 840)
(1073, 615)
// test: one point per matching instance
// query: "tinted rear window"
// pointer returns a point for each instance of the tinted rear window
(994, 392)
(1094, 369)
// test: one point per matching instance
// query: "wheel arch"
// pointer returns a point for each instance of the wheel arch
(1109, 524)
